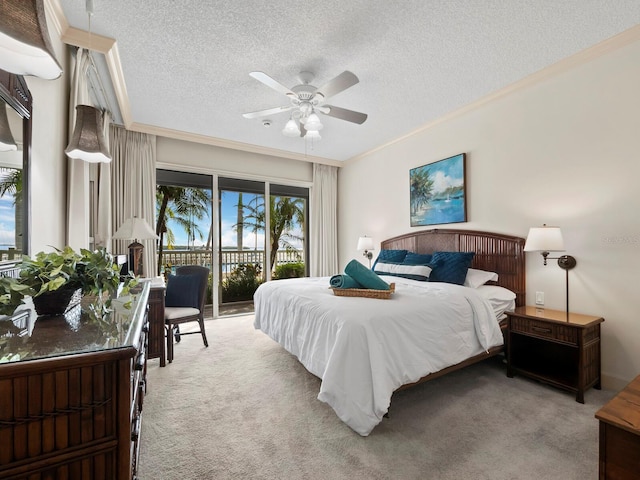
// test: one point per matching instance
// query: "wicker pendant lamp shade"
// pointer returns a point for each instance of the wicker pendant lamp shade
(25, 47)
(7, 143)
(87, 142)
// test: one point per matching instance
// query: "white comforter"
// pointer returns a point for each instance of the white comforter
(363, 349)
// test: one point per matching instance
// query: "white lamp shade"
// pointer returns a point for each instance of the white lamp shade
(291, 129)
(365, 243)
(544, 239)
(25, 46)
(134, 229)
(313, 135)
(87, 142)
(313, 123)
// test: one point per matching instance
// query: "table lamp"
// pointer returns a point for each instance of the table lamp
(135, 229)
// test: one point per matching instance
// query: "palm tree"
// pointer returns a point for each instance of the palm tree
(11, 183)
(421, 189)
(184, 205)
(285, 214)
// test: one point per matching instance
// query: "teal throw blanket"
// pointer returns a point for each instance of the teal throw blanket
(344, 281)
(364, 276)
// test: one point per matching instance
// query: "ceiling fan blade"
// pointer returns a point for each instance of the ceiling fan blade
(270, 82)
(268, 111)
(345, 114)
(343, 81)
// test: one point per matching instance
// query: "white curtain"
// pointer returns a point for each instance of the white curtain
(133, 188)
(324, 221)
(77, 170)
(103, 230)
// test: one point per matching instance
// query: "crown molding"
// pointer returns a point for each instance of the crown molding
(231, 144)
(616, 42)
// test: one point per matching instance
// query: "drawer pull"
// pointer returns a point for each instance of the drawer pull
(140, 361)
(541, 330)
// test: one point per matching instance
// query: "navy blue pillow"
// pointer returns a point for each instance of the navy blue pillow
(450, 267)
(417, 258)
(390, 256)
(182, 291)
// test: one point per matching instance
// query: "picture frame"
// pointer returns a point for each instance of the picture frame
(438, 192)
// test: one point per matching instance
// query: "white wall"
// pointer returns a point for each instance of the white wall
(48, 161)
(210, 159)
(563, 152)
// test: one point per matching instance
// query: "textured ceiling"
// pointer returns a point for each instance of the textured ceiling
(186, 63)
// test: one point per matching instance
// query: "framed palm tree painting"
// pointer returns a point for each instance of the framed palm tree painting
(437, 192)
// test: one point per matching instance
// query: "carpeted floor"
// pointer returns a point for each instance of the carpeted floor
(246, 409)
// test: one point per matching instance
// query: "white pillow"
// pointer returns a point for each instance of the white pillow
(500, 298)
(413, 272)
(475, 278)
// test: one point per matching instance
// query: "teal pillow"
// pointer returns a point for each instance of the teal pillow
(417, 259)
(390, 256)
(182, 291)
(450, 267)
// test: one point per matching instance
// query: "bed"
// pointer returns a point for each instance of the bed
(365, 349)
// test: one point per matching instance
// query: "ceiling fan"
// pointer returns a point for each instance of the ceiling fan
(305, 100)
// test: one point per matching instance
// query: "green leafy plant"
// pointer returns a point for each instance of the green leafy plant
(11, 294)
(93, 272)
(288, 270)
(241, 283)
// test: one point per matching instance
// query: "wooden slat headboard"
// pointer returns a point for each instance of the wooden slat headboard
(494, 252)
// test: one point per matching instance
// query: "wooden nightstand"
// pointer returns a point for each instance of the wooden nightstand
(620, 434)
(546, 345)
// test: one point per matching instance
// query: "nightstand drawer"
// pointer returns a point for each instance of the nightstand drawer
(542, 329)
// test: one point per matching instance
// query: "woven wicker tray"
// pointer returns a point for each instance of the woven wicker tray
(365, 292)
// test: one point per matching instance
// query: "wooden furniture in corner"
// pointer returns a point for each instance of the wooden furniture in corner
(620, 435)
(71, 393)
(156, 324)
(555, 348)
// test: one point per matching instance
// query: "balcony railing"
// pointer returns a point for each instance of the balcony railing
(230, 259)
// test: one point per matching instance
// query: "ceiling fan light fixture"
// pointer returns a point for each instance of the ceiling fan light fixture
(291, 129)
(313, 123)
(313, 135)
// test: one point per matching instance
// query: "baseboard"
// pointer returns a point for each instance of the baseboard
(613, 383)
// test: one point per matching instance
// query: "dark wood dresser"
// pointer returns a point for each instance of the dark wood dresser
(620, 435)
(71, 392)
(157, 341)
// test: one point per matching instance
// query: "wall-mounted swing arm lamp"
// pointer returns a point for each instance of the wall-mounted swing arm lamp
(366, 244)
(548, 239)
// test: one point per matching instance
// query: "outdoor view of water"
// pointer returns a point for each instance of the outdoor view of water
(440, 211)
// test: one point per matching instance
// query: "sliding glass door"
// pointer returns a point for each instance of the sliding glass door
(184, 221)
(247, 255)
(241, 239)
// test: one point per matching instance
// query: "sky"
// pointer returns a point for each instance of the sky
(7, 221)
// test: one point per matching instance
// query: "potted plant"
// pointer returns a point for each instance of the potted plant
(57, 280)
